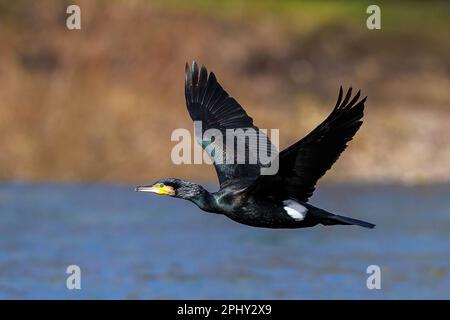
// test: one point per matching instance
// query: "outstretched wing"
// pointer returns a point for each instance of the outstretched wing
(306, 161)
(211, 106)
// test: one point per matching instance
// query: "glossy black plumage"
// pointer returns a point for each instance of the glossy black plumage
(306, 161)
(209, 103)
(246, 196)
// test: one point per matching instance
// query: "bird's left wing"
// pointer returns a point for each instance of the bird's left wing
(217, 112)
(306, 161)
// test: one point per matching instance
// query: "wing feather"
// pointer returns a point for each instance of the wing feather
(209, 103)
(306, 161)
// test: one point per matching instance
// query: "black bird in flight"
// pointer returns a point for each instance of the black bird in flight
(272, 201)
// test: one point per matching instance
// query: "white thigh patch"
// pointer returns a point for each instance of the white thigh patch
(295, 209)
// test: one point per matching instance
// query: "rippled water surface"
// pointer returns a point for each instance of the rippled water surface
(139, 246)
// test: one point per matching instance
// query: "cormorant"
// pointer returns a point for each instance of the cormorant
(247, 196)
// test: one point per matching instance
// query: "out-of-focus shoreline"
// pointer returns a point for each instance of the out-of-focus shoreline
(99, 105)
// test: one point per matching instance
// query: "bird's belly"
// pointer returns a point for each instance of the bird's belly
(269, 215)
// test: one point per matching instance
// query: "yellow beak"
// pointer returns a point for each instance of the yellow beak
(165, 190)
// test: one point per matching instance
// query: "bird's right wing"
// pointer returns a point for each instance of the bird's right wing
(302, 164)
(211, 106)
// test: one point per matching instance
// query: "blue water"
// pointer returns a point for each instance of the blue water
(140, 246)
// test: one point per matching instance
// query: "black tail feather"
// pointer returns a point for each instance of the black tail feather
(350, 221)
(333, 219)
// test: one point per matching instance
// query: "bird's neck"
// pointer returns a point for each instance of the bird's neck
(204, 201)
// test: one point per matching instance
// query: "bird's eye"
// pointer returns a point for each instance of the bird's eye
(161, 185)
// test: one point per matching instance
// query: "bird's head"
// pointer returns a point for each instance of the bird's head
(173, 187)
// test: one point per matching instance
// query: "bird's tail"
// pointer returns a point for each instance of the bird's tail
(329, 218)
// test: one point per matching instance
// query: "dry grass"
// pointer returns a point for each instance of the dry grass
(100, 104)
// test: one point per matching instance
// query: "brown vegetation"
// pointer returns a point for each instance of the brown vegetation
(100, 104)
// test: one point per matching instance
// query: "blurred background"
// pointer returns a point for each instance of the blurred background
(100, 104)
(85, 114)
